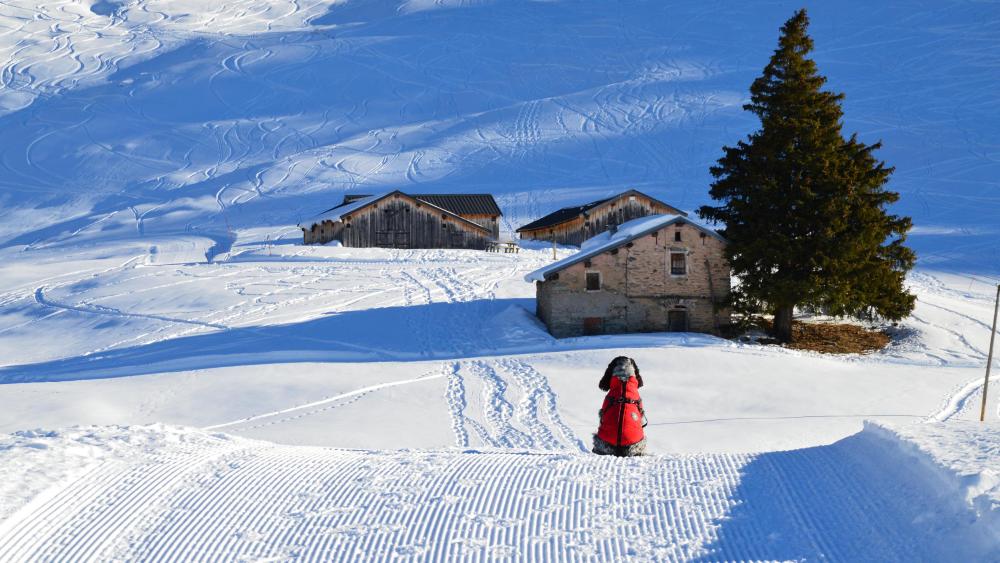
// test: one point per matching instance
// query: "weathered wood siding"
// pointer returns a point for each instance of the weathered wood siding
(618, 211)
(599, 219)
(402, 222)
(491, 222)
(322, 233)
(638, 291)
(570, 232)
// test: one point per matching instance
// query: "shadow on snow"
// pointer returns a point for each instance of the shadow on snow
(854, 500)
(413, 333)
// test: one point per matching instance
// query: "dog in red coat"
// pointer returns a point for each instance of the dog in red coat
(622, 417)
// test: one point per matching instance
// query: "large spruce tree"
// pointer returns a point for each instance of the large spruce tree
(804, 208)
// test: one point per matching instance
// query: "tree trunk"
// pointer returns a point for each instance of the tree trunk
(783, 322)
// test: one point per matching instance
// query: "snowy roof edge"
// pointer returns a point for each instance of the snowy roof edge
(338, 212)
(643, 229)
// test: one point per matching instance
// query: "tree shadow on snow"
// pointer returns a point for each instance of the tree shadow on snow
(414, 333)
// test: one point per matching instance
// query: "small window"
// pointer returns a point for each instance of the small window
(678, 264)
(593, 281)
(677, 236)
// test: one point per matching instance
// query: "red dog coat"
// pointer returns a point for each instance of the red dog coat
(621, 414)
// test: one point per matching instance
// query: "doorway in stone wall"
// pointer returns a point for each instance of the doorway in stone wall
(677, 320)
(593, 325)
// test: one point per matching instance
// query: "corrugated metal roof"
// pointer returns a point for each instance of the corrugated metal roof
(561, 216)
(346, 208)
(459, 204)
(462, 204)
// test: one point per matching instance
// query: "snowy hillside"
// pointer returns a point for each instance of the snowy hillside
(144, 119)
(204, 387)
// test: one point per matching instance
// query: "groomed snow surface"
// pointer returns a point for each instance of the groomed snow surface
(205, 388)
(160, 492)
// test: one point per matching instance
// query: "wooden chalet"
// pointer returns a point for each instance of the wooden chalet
(399, 220)
(573, 225)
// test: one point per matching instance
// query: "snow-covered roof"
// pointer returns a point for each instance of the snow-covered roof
(337, 212)
(340, 211)
(569, 213)
(626, 232)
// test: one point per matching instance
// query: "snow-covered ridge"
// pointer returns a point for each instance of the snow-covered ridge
(167, 492)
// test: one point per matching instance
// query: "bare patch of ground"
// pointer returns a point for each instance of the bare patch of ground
(825, 337)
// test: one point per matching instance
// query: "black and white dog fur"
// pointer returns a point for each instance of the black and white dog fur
(623, 368)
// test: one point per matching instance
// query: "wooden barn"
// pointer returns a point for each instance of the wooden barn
(399, 220)
(659, 273)
(573, 225)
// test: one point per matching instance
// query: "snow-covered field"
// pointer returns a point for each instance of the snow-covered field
(203, 387)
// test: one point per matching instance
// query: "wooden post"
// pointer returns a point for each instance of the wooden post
(989, 357)
(553, 247)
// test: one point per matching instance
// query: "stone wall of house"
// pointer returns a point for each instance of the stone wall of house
(638, 291)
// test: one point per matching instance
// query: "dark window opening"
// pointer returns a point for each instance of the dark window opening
(677, 236)
(678, 264)
(593, 281)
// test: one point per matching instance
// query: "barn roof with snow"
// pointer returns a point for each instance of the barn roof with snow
(457, 204)
(570, 213)
(626, 233)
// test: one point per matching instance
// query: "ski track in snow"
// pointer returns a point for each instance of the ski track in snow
(518, 408)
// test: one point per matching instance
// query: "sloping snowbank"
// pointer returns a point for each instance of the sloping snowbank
(964, 456)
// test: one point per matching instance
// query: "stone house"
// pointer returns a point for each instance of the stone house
(658, 273)
(399, 220)
(573, 225)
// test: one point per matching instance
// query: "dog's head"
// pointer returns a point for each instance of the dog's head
(621, 367)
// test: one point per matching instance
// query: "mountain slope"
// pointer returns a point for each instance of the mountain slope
(145, 119)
